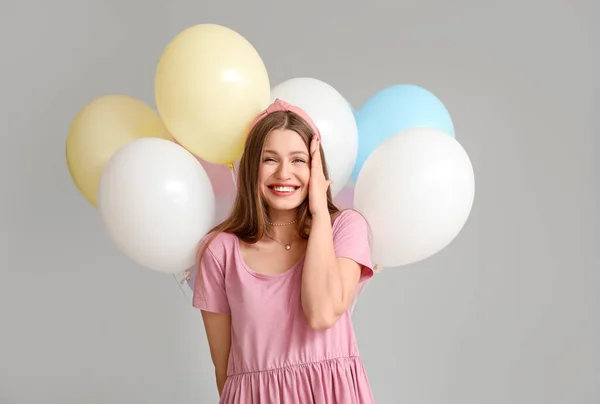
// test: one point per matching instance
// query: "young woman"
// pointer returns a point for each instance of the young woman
(276, 280)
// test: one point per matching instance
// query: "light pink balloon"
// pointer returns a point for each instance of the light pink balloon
(220, 177)
(345, 199)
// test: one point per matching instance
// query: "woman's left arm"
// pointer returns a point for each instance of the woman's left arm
(328, 282)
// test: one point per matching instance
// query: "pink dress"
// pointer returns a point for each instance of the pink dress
(275, 356)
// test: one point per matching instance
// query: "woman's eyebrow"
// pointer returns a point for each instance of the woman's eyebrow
(291, 153)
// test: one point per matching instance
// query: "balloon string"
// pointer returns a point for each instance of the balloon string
(180, 285)
(233, 174)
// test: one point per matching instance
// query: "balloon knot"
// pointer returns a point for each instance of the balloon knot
(377, 268)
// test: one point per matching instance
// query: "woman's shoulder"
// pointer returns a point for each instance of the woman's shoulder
(346, 217)
(218, 242)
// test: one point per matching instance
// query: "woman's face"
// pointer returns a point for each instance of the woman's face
(284, 170)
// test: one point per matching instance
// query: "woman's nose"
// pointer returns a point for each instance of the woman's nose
(283, 171)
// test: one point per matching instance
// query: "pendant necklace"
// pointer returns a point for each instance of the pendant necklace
(287, 246)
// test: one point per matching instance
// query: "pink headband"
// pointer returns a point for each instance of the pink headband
(280, 105)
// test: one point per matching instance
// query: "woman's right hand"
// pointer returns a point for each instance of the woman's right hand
(218, 332)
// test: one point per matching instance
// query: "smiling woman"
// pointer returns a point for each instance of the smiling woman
(277, 279)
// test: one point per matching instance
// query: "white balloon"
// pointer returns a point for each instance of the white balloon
(333, 116)
(416, 191)
(156, 202)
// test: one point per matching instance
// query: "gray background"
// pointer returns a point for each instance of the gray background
(509, 313)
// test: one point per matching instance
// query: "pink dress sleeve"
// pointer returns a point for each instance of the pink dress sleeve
(209, 286)
(351, 240)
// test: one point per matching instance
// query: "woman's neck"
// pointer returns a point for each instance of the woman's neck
(282, 218)
(282, 224)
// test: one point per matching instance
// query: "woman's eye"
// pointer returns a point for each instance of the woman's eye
(271, 159)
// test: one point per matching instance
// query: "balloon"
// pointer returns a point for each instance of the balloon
(345, 198)
(99, 129)
(393, 110)
(333, 116)
(416, 191)
(224, 207)
(156, 203)
(221, 177)
(210, 83)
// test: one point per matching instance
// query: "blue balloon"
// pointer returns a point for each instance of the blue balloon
(395, 109)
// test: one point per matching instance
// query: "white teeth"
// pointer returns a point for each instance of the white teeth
(284, 189)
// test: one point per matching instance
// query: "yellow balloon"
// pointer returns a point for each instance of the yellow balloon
(99, 129)
(210, 83)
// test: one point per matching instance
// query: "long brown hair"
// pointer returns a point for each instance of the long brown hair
(249, 216)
